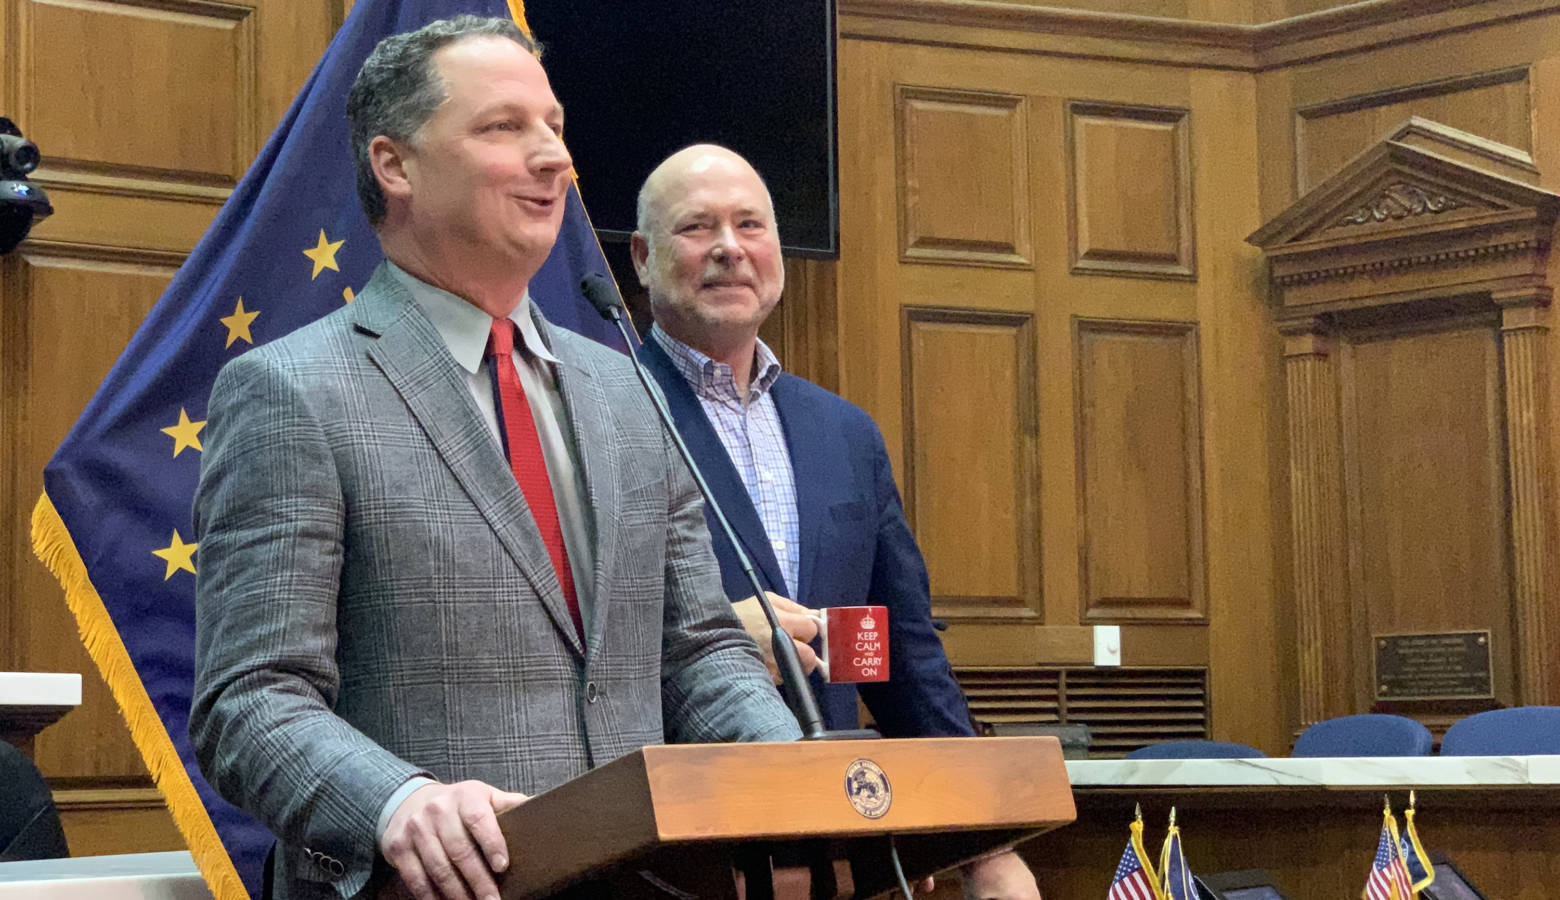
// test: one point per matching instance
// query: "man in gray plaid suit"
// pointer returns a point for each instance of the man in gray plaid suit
(394, 640)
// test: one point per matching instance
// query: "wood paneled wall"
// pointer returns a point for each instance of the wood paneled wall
(1044, 298)
(1092, 176)
(1146, 392)
(147, 114)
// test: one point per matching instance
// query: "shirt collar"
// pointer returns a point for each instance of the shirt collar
(710, 378)
(464, 327)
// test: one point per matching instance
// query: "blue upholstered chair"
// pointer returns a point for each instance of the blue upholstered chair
(1196, 750)
(1519, 731)
(1368, 734)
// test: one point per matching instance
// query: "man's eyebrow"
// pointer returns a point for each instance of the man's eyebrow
(509, 106)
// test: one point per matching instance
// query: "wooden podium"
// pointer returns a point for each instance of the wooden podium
(667, 821)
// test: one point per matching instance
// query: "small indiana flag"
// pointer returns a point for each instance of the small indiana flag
(1173, 867)
(1388, 878)
(1134, 879)
(1414, 858)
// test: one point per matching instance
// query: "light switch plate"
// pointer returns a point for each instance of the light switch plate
(1107, 645)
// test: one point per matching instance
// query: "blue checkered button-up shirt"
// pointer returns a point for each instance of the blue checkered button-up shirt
(753, 438)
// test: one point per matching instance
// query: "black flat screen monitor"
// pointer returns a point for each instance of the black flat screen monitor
(641, 80)
(1450, 883)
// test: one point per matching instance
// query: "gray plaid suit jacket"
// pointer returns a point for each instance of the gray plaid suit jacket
(374, 600)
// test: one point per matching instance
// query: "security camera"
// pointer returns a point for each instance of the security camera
(21, 202)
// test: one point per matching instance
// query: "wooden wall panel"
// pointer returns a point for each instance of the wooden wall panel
(74, 318)
(1139, 471)
(963, 177)
(878, 288)
(155, 122)
(1425, 476)
(1140, 225)
(147, 113)
(970, 473)
(1494, 105)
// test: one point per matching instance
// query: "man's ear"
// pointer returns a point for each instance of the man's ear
(639, 251)
(389, 162)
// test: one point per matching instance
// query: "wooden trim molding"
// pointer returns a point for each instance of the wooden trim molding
(1032, 28)
(1524, 342)
(1316, 522)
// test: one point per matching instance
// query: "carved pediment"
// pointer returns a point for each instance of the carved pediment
(1426, 209)
(1400, 200)
(1394, 186)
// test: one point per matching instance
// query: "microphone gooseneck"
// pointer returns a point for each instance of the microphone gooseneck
(602, 294)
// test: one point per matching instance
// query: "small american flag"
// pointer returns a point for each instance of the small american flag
(1134, 879)
(1388, 878)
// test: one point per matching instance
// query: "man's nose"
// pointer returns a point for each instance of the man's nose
(551, 157)
(725, 245)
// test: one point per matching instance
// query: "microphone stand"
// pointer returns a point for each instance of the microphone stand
(804, 706)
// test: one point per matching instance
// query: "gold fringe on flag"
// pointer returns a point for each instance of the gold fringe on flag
(517, 12)
(1155, 886)
(53, 545)
(1419, 849)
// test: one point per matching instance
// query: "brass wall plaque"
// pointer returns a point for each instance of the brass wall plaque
(1447, 665)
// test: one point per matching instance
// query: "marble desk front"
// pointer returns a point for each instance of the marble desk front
(1313, 823)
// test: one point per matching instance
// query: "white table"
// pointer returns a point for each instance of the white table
(133, 876)
(32, 701)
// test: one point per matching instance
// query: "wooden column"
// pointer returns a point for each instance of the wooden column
(1316, 523)
(1524, 333)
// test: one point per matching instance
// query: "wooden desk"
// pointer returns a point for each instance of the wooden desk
(1312, 823)
(32, 701)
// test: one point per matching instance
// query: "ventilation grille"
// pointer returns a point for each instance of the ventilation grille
(1125, 708)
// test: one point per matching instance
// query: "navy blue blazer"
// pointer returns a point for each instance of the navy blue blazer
(856, 547)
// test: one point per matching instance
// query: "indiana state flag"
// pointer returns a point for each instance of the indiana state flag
(1416, 862)
(1178, 882)
(289, 246)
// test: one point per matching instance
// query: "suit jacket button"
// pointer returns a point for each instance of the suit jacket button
(591, 693)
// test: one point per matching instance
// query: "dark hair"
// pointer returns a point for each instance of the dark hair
(398, 88)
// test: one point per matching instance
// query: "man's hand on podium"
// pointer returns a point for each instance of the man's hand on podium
(1000, 877)
(445, 842)
(796, 619)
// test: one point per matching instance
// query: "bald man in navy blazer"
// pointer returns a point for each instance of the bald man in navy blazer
(802, 474)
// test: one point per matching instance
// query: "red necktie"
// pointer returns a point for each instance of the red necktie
(525, 457)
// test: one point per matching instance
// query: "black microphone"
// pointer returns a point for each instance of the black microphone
(602, 294)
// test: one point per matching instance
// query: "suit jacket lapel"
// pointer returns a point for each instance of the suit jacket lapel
(414, 359)
(716, 465)
(589, 419)
(814, 464)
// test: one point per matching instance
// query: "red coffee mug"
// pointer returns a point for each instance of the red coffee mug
(855, 643)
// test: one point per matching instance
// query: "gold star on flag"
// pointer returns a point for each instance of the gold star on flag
(185, 434)
(324, 255)
(238, 323)
(178, 555)
(347, 296)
